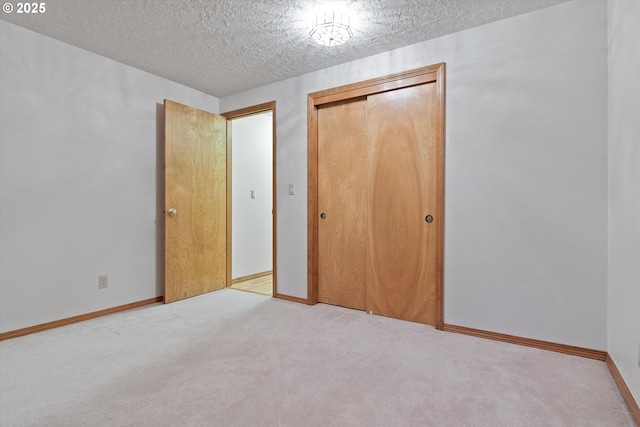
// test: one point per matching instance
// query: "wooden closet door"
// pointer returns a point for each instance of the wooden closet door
(342, 200)
(402, 127)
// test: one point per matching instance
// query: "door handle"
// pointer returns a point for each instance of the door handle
(429, 219)
(172, 212)
(323, 215)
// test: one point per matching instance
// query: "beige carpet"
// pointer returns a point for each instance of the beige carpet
(235, 358)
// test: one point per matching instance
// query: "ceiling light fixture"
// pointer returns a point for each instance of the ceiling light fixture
(331, 29)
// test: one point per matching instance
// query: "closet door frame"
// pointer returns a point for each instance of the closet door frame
(431, 74)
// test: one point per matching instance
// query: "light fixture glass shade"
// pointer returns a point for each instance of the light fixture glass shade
(331, 29)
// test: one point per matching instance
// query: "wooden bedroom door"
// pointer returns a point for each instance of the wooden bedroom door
(195, 202)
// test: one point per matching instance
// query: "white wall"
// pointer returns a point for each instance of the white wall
(624, 190)
(526, 174)
(252, 169)
(78, 179)
(526, 170)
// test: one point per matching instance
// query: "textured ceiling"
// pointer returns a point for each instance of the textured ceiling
(223, 47)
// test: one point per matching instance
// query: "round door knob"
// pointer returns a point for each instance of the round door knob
(323, 215)
(172, 212)
(429, 219)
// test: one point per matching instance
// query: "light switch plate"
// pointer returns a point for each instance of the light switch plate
(103, 282)
(292, 189)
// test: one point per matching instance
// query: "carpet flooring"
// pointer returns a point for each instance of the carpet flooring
(234, 358)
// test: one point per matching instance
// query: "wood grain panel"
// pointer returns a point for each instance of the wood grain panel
(229, 204)
(434, 74)
(440, 124)
(342, 195)
(75, 319)
(312, 203)
(252, 276)
(624, 390)
(292, 299)
(234, 114)
(381, 87)
(248, 111)
(399, 80)
(402, 128)
(195, 185)
(528, 342)
(258, 284)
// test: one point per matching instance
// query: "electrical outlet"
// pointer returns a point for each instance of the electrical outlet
(103, 282)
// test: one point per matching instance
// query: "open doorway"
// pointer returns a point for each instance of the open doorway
(251, 196)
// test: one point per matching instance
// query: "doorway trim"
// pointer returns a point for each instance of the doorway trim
(235, 114)
(430, 74)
